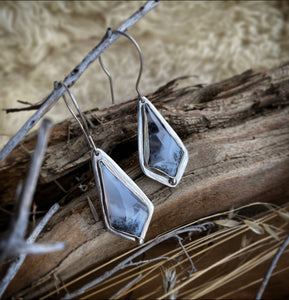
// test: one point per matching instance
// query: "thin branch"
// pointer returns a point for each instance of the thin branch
(13, 243)
(93, 210)
(126, 287)
(18, 109)
(271, 268)
(73, 76)
(127, 262)
(43, 248)
(29, 187)
(137, 263)
(42, 223)
(15, 266)
(30, 106)
(14, 238)
(187, 255)
(26, 102)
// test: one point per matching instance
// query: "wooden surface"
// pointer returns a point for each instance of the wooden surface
(237, 136)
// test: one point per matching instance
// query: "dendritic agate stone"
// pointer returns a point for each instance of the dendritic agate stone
(125, 211)
(164, 153)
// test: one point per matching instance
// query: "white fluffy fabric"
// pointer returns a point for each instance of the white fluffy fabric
(43, 41)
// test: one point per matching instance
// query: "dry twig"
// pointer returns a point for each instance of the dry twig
(126, 287)
(15, 266)
(13, 242)
(271, 268)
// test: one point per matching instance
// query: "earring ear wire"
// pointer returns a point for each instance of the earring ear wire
(140, 70)
(162, 154)
(110, 80)
(83, 126)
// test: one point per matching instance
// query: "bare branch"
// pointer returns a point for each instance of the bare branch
(15, 266)
(13, 243)
(42, 248)
(271, 268)
(137, 263)
(18, 109)
(126, 287)
(30, 106)
(73, 76)
(93, 210)
(14, 238)
(42, 223)
(187, 255)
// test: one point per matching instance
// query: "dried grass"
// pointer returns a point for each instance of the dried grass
(231, 261)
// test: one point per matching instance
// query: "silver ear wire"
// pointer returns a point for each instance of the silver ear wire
(127, 210)
(84, 127)
(140, 70)
(110, 79)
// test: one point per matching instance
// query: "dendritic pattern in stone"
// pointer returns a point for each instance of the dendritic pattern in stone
(163, 156)
(164, 153)
(125, 211)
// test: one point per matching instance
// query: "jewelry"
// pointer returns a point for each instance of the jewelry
(127, 210)
(162, 154)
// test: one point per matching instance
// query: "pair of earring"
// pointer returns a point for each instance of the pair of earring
(127, 210)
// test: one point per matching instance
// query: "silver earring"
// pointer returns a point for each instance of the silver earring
(162, 154)
(127, 210)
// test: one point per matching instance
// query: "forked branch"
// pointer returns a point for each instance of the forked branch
(17, 263)
(13, 243)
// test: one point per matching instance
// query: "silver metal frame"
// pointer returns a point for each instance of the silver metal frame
(143, 142)
(97, 156)
(101, 156)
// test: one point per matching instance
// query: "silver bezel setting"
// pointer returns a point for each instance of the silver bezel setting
(143, 142)
(101, 156)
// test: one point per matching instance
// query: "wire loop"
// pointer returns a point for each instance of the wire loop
(140, 70)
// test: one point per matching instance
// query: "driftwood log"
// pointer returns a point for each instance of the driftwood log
(237, 136)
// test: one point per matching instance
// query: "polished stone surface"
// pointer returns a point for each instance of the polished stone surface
(126, 213)
(164, 153)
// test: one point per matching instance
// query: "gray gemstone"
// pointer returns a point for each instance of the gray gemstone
(164, 153)
(126, 212)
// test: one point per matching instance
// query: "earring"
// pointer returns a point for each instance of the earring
(162, 154)
(127, 210)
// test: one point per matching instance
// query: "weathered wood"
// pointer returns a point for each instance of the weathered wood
(237, 136)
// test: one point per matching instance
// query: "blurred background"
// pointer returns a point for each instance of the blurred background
(42, 41)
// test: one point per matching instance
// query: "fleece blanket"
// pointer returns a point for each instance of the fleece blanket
(42, 41)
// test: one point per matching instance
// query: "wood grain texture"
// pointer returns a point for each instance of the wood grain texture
(237, 136)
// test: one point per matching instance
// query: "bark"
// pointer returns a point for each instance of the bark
(237, 136)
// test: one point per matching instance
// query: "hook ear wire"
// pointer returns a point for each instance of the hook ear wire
(141, 64)
(84, 127)
(110, 79)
